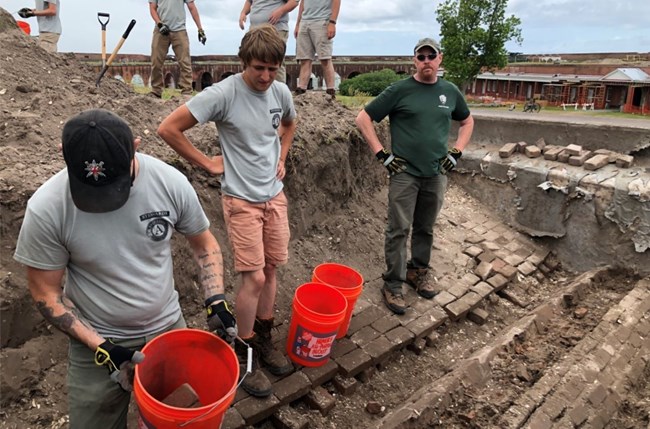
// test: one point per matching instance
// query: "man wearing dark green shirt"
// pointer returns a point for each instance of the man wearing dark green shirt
(420, 110)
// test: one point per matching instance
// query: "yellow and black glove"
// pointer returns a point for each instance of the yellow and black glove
(394, 164)
(449, 161)
(202, 37)
(220, 318)
(26, 12)
(120, 362)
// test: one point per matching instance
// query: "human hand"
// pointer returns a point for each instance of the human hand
(449, 161)
(275, 16)
(220, 318)
(202, 37)
(120, 362)
(282, 169)
(394, 164)
(331, 30)
(163, 29)
(242, 20)
(215, 167)
(26, 12)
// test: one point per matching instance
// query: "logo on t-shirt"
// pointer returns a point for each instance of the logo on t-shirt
(157, 229)
(443, 101)
(276, 121)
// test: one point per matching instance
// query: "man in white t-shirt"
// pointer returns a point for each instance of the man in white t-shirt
(104, 224)
(255, 119)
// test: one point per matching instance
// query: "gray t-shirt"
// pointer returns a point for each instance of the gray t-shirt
(172, 13)
(247, 122)
(316, 10)
(261, 11)
(119, 264)
(49, 24)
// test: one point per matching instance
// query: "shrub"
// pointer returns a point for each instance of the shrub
(371, 84)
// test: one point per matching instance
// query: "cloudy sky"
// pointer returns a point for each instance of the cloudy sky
(367, 27)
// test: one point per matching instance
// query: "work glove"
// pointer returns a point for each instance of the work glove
(163, 29)
(202, 37)
(449, 161)
(221, 319)
(394, 164)
(120, 362)
(25, 12)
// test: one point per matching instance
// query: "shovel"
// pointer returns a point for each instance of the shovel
(114, 54)
(101, 15)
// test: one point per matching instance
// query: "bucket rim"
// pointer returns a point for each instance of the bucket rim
(338, 294)
(343, 267)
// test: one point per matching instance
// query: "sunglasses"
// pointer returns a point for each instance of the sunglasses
(429, 57)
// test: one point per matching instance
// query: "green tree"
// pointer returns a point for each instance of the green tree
(372, 83)
(474, 33)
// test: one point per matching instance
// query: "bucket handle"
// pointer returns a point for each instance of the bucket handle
(249, 369)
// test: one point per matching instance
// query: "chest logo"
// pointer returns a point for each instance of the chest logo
(275, 121)
(443, 99)
(157, 229)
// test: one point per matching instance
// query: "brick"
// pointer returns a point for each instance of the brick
(480, 229)
(379, 350)
(432, 339)
(386, 323)
(457, 310)
(573, 149)
(491, 237)
(341, 347)
(597, 395)
(422, 325)
(233, 420)
(507, 150)
(364, 336)
(490, 245)
(470, 279)
(524, 252)
(551, 152)
(320, 399)
(458, 290)
(417, 346)
(498, 264)
(478, 316)
(596, 162)
(601, 357)
(483, 270)
(579, 160)
(183, 397)
(553, 407)
(292, 387)
(579, 414)
(497, 282)
(532, 151)
(354, 362)
(516, 297)
(487, 256)
(474, 239)
(508, 271)
(400, 336)
(365, 318)
(366, 375)
(513, 260)
(526, 268)
(541, 143)
(254, 410)
(444, 298)
(321, 374)
(624, 161)
(473, 251)
(482, 288)
(346, 386)
(539, 421)
(563, 156)
(289, 418)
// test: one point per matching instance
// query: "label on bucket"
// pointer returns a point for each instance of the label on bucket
(313, 346)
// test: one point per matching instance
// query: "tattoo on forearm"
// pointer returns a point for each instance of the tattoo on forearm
(64, 322)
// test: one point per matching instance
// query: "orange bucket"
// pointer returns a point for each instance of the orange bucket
(199, 358)
(348, 281)
(317, 313)
(25, 27)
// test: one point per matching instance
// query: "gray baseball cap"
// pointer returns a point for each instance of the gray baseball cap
(427, 41)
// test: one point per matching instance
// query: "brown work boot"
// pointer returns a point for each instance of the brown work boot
(299, 91)
(256, 383)
(394, 301)
(331, 92)
(272, 358)
(419, 279)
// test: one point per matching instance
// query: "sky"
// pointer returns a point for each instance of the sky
(365, 27)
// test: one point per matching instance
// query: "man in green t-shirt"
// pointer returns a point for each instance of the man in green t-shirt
(420, 110)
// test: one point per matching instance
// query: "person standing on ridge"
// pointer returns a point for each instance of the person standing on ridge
(315, 31)
(169, 16)
(274, 12)
(255, 119)
(420, 110)
(49, 24)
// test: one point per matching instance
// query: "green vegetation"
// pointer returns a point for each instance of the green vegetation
(354, 102)
(474, 33)
(369, 84)
(166, 95)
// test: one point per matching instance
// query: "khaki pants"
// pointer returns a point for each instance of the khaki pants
(96, 401)
(180, 44)
(48, 41)
(282, 71)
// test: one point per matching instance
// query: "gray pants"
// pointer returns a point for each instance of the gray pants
(96, 401)
(413, 202)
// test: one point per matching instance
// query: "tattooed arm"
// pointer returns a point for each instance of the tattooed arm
(207, 255)
(45, 287)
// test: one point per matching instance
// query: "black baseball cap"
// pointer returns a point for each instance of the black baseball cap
(98, 151)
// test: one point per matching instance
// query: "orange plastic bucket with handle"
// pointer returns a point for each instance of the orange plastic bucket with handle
(317, 313)
(348, 281)
(25, 27)
(199, 358)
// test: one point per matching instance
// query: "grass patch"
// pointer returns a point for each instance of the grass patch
(166, 94)
(354, 102)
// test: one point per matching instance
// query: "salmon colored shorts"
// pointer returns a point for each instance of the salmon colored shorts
(258, 232)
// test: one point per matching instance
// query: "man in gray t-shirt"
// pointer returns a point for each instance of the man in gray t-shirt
(105, 224)
(274, 12)
(255, 119)
(49, 24)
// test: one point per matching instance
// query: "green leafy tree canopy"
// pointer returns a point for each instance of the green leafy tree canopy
(474, 33)
(372, 83)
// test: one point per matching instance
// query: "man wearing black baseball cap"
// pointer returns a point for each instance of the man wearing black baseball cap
(417, 165)
(107, 220)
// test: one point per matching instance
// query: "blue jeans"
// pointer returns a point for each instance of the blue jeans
(413, 206)
(96, 401)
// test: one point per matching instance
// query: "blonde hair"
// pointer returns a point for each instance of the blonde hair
(262, 43)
